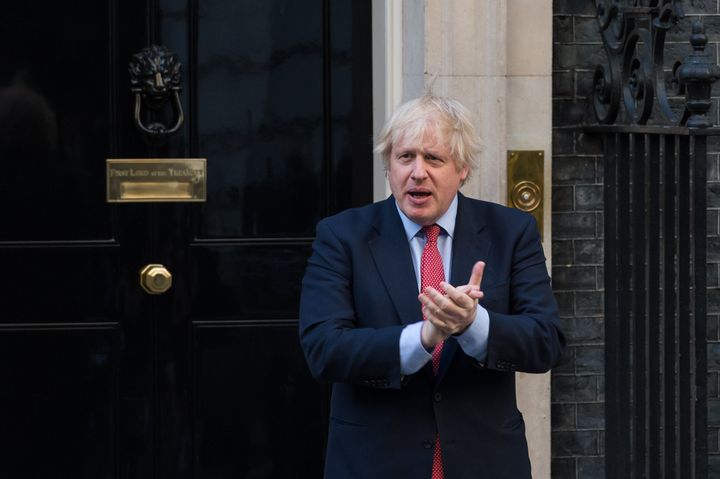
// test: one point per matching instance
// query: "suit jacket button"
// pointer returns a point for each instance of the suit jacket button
(427, 445)
(437, 397)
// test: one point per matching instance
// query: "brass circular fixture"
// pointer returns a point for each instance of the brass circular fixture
(526, 196)
(155, 279)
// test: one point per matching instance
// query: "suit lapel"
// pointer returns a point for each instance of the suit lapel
(391, 253)
(470, 244)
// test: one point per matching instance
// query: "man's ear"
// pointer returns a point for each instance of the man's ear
(464, 171)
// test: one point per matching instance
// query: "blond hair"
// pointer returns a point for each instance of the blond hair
(411, 120)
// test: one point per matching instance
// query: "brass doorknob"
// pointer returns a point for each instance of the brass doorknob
(155, 279)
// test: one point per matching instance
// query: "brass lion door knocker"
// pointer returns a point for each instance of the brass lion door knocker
(155, 80)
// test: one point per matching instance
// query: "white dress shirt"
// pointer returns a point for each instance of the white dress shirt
(473, 340)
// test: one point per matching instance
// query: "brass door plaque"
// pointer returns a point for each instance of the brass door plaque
(156, 180)
(526, 182)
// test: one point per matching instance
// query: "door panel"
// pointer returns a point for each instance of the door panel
(240, 410)
(48, 118)
(208, 379)
(260, 117)
(248, 281)
(73, 327)
(271, 100)
(68, 378)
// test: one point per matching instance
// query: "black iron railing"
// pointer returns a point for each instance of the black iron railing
(654, 118)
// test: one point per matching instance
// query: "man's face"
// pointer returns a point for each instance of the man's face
(423, 177)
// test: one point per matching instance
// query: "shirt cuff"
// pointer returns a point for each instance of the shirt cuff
(413, 355)
(474, 339)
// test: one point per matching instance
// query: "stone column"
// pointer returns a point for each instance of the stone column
(529, 127)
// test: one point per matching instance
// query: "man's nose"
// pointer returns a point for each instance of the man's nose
(419, 172)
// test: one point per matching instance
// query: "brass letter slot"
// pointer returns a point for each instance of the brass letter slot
(156, 180)
(526, 183)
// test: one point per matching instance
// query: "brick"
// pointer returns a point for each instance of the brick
(570, 389)
(574, 443)
(712, 222)
(573, 170)
(562, 252)
(589, 359)
(680, 50)
(587, 29)
(563, 140)
(573, 277)
(563, 416)
(585, 330)
(563, 468)
(562, 198)
(566, 304)
(567, 325)
(714, 467)
(562, 29)
(600, 216)
(712, 385)
(713, 249)
(589, 198)
(712, 327)
(584, 87)
(574, 225)
(713, 301)
(712, 167)
(713, 144)
(713, 440)
(682, 31)
(600, 279)
(578, 56)
(568, 112)
(573, 7)
(589, 144)
(713, 356)
(701, 6)
(600, 172)
(601, 388)
(713, 195)
(567, 363)
(711, 274)
(588, 303)
(591, 416)
(589, 252)
(563, 85)
(713, 409)
(591, 467)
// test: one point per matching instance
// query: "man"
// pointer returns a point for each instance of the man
(423, 371)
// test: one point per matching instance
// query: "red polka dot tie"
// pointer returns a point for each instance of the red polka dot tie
(432, 274)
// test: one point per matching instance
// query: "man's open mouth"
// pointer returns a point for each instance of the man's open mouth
(419, 194)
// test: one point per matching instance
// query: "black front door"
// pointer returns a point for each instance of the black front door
(99, 379)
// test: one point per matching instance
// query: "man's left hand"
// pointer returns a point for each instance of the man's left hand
(454, 311)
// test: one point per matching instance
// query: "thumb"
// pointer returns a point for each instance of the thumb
(477, 274)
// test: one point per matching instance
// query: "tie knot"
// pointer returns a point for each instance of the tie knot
(431, 233)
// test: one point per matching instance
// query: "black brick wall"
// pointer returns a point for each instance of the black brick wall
(577, 245)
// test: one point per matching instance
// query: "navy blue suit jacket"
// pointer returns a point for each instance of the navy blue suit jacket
(360, 290)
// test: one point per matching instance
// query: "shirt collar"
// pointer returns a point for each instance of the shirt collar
(446, 221)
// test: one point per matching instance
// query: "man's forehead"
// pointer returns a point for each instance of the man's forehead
(428, 137)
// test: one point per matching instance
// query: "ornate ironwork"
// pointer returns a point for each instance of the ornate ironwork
(155, 80)
(635, 76)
